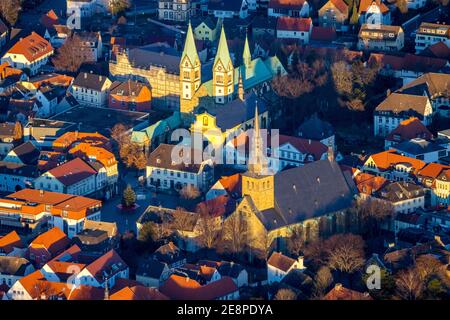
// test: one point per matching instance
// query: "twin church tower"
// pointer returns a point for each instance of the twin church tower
(223, 71)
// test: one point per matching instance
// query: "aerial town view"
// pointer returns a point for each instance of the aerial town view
(233, 150)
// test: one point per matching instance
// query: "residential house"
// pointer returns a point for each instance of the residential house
(91, 89)
(152, 273)
(130, 95)
(137, 292)
(46, 246)
(381, 37)
(228, 8)
(73, 177)
(406, 130)
(317, 129)
(11, 245)
(109, 227)
(435, 86)
(182, 288)
(9, 77)
(405, 197)
(203, 274)
(334, 13)
(15, 176)
(207, 28)
(235, 271)
(279, 265)
(166, 173)
(427, 177)
(374, 12)
(263, 26)
(91, 45)
(226, 186)
(399, 107)
(442, 188)
(175, 10)
(13, 269)
(431, 33)
(29, 53)
(170, 254)
(26, 153)
(403, 221)
(393, 166)
(69, 140)
(294, 28)
(289, 8)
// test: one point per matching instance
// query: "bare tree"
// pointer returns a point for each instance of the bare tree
(409, 285)
(345, 252)
(207, 226)
(372, 213)
(296, 242)
(182, 219)
(322, 281)
(235, 232)
(427, 266)
(342, 77)
(189, 192)
(285, 294)
(9, 10)
(43, 290)
(402, 6)
(70, 56)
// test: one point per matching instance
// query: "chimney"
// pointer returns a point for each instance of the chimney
(338, 286)
(300, 260)
(41, 192)
(330, 152)
(85, 75)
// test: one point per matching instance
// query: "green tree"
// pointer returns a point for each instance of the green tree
(129, 197)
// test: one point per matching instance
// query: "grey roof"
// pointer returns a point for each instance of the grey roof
(306, 192)
(90, 81)
(230, 269)
(418, 146)
(400, 191)
(161, 157)
(238, 111)
(7, 129)
(13, 266)
(157, 54)
(315, 129)
(151, 268)
(91, 236)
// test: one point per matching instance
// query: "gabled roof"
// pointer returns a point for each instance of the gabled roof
(72, 172)
(409, 129)
(368, 184)
(439, 50)
(280, 261)
(418, 146)
(315, 128)
(109, 227)
(294, 24)
(340, 292)
(138, 292)
(27, 152)
(110, 263)
(286, 4)
(13, 266)
(305, 146)
(151, 268)
(365, 4)
(397, 103)
(32, 47)
(433, 170)
(386, 159)
(90, 81)
(9, 242)
(161, 157)
(432, 84)
(52, 240)
(400, 191)
(340, 5)
(408, 62)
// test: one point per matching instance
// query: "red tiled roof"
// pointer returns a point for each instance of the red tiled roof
(306, 146)
(53, 240)
(182, 288)
(105, 263)
(367, 183)
(286, 4)
(32, 47)
(384, 160)
(232, 184)
(138, 293)
(340, 5)
(294, 24)
(10, 241)
(365, 4)
(323, 33)
(215, 207)
(408, 62)
(409, 129)
(341, 293)
(49, 19)
(280, 261)
(72, 172)
(433, 170)
(440, 50)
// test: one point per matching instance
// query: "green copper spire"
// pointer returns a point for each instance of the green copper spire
(189, 46)
(222, 50)
(246, 56)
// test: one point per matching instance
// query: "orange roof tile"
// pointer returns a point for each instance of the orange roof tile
(87, 152)
(9, 242)
(280, 261)
(232, 184)
(294, 24)
(365, 4)
(50, 239)
(72, 172)
(367, 183)
(341, 293)
(69, 138)
(384, 160)
(409, 129)
(138, 293)
(340, 5)
(32, 47)
(433, 170)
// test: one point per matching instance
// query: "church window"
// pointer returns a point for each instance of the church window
(248, 184)
(186, 74)
(197, 74)
(219, 79)
(264, 185)
(205, 121)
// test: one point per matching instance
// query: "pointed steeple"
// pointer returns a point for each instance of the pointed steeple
(222, 50)
(240, 87)
(190, 50)
(258, 165)
(246, 56)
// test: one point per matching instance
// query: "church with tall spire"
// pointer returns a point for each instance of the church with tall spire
(202, 88)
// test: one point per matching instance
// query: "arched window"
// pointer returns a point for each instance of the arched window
(205, 121)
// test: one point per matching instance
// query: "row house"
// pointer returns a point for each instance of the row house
(398, 107)
(279, 265)
(29, 53)
(12, 269)
(435, 86)
(166, 173)
(295, 8)
(65, 211)
(380, 37)
(47, 246)
(436, 178)
(429, 34)
(294, 28)
(393, 166)
(91, 89)
(405, 197)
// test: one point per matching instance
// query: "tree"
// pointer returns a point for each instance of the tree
(207, 226)
(181, 219)
(235, 232)
(371, 214)
(118, 6)
(129, 197)
(387, 289)
(118, 133)
(43, 290)
(70, 57)
(296, 242)
(322, 281)
(427, 266)
(435, 289)
(9, 10)
(408, 285)
(18, 132)
(147, 233)
(189, 192)
(342, 77)
(346, 252)
(285, 294)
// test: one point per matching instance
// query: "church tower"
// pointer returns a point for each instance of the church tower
(190, 67)
(246, 56)
(223, 72)
(258, 181)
